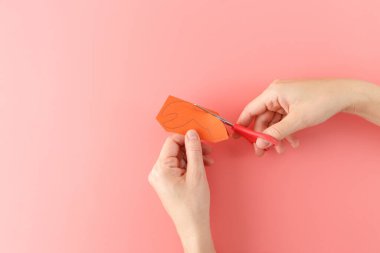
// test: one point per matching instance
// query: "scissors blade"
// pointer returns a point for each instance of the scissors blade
(215, 115)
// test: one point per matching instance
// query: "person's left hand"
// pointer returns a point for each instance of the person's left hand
(179, 179)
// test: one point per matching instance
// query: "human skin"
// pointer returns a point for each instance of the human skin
(288, 106)
(285, 107)
(179, 178)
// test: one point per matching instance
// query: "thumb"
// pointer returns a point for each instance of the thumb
(193, 152)
(288, 125)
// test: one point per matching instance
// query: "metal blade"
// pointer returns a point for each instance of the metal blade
(215, 115)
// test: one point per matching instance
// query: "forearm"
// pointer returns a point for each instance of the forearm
(365, 99)
(196, 240)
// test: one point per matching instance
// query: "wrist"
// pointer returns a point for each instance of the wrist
(196, 239)
(361, 97)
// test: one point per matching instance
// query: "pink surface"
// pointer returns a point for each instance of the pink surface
(77, 143)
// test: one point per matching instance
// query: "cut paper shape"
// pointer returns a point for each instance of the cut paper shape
(179, 116)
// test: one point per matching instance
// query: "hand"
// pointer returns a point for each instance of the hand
(287, 106)
(179, 179)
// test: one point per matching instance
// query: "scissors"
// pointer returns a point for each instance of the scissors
(247, 133)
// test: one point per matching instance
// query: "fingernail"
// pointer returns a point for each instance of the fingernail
(192, 135)
(261, 143)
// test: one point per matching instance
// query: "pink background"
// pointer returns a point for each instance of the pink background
(81, 82)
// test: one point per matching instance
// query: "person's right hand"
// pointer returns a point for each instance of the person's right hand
(287, 106)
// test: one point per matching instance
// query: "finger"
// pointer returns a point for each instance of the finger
(253, 108)
(281, 111)
(193, 153)
(183, 172)
(182, 163)
(172, 146)
(208, 160)
(288, 125)
(258, 151)
(177, 172)
(263, 120)
(206, 149)
(293, 141)
(280, 147)
(182, 159)
(261, 123)
(276, 118)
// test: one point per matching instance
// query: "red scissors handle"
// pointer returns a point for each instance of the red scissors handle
(251, 135)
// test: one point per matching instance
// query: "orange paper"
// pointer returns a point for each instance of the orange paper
(179, 116)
